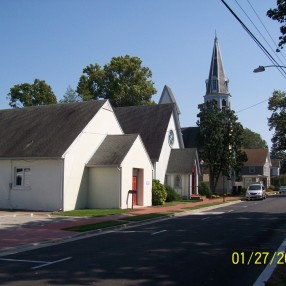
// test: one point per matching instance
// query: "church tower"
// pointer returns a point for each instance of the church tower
(217, 83)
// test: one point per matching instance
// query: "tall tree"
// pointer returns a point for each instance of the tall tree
(277, 121)
(124, 81)
(220, 140)
(70, 96)
(25, 94)
(279, 14)
(252, 140)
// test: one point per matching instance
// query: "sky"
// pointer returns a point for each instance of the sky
(54, 40)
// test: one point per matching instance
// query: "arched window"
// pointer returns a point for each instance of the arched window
(178, 182)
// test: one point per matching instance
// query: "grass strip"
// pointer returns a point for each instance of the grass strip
(144, 217)
(202, 206)
(92, 212)
(94, 226)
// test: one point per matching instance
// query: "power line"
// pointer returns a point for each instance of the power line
(252, 106)
(259, 30)
(282, 71)
(277, 48)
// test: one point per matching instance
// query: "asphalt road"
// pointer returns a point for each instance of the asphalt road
(185, 250)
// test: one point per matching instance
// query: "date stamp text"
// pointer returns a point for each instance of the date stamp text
(258, 258)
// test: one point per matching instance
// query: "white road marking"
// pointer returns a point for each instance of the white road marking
(208, 213)
(21, 260)
(267, 272)
(43, 263)
(50, 263)
(154, 233)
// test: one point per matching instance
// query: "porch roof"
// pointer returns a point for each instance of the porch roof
(112, 151)
(182, 161)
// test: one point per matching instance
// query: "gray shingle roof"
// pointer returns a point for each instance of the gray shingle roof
(191, 137)
(113, 150)
(181, 161)
(150, 121)
(43, 131)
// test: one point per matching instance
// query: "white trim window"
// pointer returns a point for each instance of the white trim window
(251, 169)
(22, 178)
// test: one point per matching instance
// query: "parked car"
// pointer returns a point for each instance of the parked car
(282, 189)
(255, 191)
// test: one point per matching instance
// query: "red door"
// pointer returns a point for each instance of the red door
(193, 181)
(134, 188)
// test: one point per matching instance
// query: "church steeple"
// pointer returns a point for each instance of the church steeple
(217, 83)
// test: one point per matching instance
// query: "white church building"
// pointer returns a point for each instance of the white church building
(90, 155)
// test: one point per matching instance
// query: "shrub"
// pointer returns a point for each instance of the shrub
(172, 195)
(243, 191)
(159, 193)
(204, 190)
(272, 189)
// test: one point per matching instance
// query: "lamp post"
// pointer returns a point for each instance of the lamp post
(262, 68)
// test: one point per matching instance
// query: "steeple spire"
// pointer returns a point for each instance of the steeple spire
(217, 83)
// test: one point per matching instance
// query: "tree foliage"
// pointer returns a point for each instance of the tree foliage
(277, 121)
(252, 140)
(25, 94)
(70, 96)
(220, 141)
(123, 81)
(279, 14)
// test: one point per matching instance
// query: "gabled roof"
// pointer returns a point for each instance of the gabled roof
(256, 157)
(191, 137)
(43, 131)
(217, 81)
(168, 97)
(182, 161)
(150, 121)
(113, 150)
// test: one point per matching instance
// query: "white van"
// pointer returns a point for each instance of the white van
(255, 191)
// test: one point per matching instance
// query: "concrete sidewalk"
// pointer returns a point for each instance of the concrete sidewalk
(21, 231)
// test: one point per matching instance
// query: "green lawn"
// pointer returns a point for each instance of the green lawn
(202, 206)
(145, 216)
(92, 212)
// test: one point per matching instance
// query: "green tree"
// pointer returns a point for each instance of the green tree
(25, 94)
(279, 14)
(277, 121)
(252, 140)
(123, 81)
(70, 96)
(220, 139)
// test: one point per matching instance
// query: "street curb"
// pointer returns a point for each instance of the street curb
(87, 234)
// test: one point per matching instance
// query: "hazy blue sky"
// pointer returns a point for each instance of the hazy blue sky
(53, 40)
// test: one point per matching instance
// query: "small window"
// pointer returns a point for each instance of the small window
(215, 85)
(22, 177)
(252, 169)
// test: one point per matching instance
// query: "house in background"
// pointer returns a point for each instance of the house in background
(257, 168)
(275, 167)
(47, 158)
